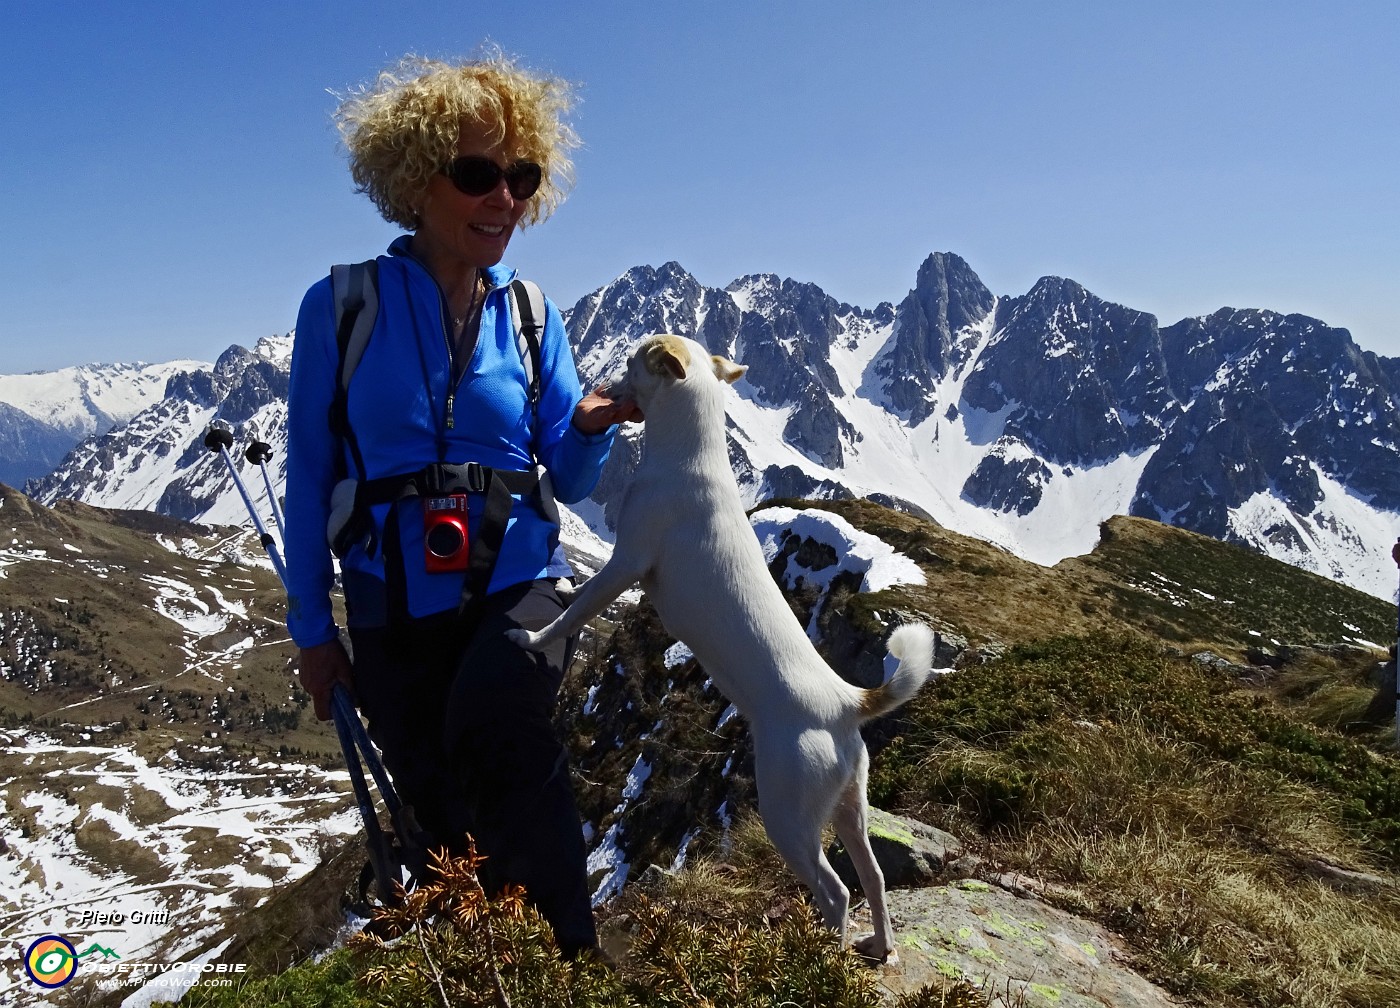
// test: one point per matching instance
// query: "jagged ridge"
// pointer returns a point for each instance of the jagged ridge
(1022, 420)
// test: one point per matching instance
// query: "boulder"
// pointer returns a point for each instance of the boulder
(1017, 950)
(910, 853)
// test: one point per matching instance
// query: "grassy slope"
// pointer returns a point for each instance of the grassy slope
(84, 645)
(1183, 588)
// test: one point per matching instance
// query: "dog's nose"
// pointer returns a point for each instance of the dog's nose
(616, 387)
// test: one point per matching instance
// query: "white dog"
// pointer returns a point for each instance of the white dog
(683, 534)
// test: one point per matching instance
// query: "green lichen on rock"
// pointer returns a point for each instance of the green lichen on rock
(887, 827)
(948, 969)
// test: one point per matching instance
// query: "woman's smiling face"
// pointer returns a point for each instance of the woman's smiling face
(472, 230)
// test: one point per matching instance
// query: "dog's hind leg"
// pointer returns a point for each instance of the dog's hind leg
(797, 786)
(852, 823)
(801, 848)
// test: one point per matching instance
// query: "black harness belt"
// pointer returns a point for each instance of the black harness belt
(440, 478)
(498, 485)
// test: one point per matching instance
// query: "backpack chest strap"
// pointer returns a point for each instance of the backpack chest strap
(442, 478)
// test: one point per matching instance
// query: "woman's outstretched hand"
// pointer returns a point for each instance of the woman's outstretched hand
(595, 412)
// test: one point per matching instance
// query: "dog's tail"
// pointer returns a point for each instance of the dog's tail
(912, 646)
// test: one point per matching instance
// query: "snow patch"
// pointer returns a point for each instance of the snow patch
(857, 552)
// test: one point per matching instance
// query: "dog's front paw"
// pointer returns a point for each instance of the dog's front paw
(524, 638)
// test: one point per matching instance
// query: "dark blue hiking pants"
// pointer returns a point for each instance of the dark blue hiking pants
(467, 734)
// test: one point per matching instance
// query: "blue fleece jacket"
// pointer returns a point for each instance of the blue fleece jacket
(403, 419)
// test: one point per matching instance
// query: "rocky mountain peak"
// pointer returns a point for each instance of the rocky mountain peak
(930, 326)
(1064, 365)
(647, 300)
(757, 289)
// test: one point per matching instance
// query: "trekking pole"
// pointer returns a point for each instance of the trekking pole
(354, 740)
(258, 453)
(382, 861)
(342, 706)
(220, 439)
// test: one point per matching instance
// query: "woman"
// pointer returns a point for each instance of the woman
(459, 155)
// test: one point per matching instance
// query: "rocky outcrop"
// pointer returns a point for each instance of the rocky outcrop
(1013, 946)
(911, 854)
(1007, 479)
(998, 935)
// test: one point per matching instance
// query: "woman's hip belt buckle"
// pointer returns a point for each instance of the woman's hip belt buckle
(349, 521)
(466, 477)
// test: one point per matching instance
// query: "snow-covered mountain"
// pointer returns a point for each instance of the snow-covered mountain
(157, 461)
(1025, 421)
(44, 414)
(28, 447)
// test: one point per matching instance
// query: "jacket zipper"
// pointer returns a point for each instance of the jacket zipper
(453, 378)
(451, 360)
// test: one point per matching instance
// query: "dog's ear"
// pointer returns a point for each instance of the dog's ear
(726, 370)
(668, 356)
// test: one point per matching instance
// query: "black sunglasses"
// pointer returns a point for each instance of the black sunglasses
(476, 176)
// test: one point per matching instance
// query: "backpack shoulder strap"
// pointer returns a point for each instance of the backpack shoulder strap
(527, 308)
(528, 312)
(355, 289)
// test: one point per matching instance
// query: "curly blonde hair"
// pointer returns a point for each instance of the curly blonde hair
(401, 130)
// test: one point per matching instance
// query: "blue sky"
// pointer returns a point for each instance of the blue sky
(173, 183)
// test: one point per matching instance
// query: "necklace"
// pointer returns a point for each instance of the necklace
(478, 293)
